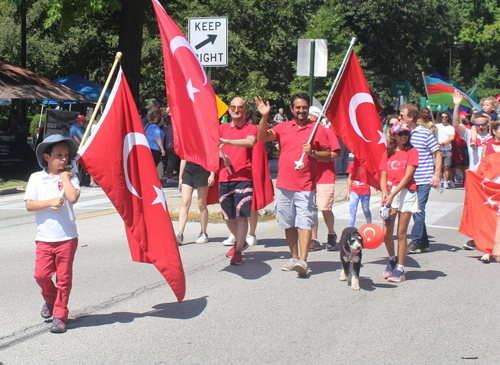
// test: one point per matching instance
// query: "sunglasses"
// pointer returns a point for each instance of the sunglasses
(239, 107)
(481, 125)
(403, 133)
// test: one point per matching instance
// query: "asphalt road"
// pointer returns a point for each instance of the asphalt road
(125, 312)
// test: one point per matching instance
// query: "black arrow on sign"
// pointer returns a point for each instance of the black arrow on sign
(211, 38)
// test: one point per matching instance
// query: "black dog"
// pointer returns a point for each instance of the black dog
(351, 244)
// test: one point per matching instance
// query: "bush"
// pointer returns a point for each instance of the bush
(35, 119)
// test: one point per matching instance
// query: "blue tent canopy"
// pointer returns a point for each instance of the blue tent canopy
(81, 86)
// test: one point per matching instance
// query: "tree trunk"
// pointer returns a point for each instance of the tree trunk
(130, 42)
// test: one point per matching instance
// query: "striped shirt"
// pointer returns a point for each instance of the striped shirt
(425, 143)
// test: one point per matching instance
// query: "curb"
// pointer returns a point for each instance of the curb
(12, 190)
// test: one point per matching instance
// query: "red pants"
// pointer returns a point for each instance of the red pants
(56, 258)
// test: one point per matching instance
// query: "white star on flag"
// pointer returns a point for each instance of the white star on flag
(191, 90)
(160, 198)
(382, 138)
(492, 203)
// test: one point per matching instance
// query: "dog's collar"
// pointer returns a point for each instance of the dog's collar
(349, 253)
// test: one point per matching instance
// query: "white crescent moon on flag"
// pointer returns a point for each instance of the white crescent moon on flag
(369, 229)
(392, 165)
(180, 41)
(356, 100)
(132, 139)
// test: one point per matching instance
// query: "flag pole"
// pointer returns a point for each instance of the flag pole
(469, 93)
(300, 163)
(96, 108)
(429, 100)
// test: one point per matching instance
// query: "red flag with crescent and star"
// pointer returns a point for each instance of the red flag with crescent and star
(354, 116)
(191, 99)
(482, 203)
(118, 156)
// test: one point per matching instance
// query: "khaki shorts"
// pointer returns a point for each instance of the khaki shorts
(405, 201)
(324, 196)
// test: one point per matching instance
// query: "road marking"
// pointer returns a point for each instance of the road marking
(97, 214)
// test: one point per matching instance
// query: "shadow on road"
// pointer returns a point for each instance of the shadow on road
(186, 310)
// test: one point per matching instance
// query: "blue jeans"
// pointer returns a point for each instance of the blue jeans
(353, 207)
(419, 232)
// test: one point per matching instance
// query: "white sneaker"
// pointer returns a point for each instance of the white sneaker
(251, 240)
(451, 183)
(445, 185)
(229, 241)
(203, 238)
(301, 267)
(289, 265)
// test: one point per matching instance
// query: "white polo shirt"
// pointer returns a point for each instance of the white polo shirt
(52, 225)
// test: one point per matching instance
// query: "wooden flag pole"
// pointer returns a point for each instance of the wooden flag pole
(96, 109)
(429, 100)
(300, 163)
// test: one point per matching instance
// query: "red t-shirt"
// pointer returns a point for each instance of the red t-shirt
(360, 186)
(241, 158)
(460, 141)
(396, 167)
(291, 139)
(325, 173)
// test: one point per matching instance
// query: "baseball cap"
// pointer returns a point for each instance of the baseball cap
(40, 150)
(153, 103)
(314, 110)
(81, 118)
(464, 113)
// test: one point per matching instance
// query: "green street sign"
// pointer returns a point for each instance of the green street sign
(399, 88)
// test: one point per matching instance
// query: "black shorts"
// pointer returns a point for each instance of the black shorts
(195, 175)
(465, 155)
(235, 198)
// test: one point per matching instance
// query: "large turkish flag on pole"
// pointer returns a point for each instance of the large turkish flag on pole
(117, 155)
(354, 116)
(482, 203)
(190, 97)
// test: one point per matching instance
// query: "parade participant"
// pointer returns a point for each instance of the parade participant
(235, 188)
(445, 134)
(155, 135)
(390, 121)
(325, 188)
(397, 169)
(488, 106)
(193, 176)
(424, 120)
(481, 122)
(358, 190)
(51, 194)
(296, 211)
(77, 130)
(426, 176)
(491, 148)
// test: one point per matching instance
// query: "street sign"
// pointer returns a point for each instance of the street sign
(320, 57)
(208, 37)
(399, 88)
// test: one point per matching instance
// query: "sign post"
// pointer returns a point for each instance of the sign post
(312, 60)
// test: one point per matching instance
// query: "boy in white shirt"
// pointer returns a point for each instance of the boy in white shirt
(51, 194)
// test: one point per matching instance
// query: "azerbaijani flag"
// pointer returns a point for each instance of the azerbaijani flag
(441, 92)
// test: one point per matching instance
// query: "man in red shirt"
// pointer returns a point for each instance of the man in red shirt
(296, 210)
(235, 178)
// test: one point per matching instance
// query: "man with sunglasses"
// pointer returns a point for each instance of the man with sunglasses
(295, 194)
(481, 121)
(426, 176)
(235, 178)
(445, 134)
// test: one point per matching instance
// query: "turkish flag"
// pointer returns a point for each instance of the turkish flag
(482, 203)
(191, 99)
(117, 155)
(354, 116)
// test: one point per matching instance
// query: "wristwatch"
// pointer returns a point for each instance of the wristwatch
(313, 153)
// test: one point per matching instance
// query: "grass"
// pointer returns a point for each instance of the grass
(8, 180)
